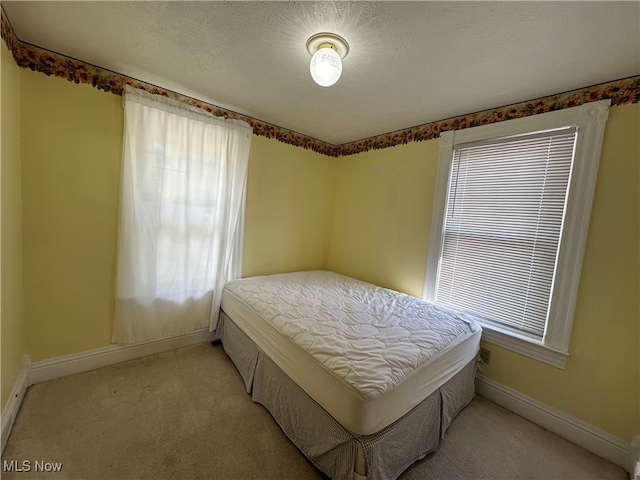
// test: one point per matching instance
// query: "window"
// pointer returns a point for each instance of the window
(181, 217)
(189, 222)
(509, 226)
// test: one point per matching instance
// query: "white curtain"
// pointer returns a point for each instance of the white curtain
(181, 214)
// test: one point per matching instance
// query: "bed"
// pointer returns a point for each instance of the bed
(363, 379)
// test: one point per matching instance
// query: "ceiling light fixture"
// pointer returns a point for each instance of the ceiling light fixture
(327, 51)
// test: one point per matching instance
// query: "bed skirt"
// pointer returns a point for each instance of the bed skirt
(334, 450)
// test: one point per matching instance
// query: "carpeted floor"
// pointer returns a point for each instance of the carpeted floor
(185, 415)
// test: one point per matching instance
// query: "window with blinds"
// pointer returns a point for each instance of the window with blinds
(502, 226)
(509, 226)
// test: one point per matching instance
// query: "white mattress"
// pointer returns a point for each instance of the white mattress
(366, 354)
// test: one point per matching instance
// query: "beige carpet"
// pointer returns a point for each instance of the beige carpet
(185, 415)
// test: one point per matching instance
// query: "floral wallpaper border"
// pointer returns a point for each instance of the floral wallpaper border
(620, 92)
(54, 64)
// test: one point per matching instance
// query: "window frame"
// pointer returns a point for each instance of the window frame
(590, 119)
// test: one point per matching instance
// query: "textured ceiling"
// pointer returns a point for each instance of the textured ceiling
(410, 62)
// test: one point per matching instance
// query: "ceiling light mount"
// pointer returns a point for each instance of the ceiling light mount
(316, 41)
(327, 51)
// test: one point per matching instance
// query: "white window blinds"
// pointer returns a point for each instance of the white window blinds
(503, 220)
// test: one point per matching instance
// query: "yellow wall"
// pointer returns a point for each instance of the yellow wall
(381, 215)
(71, 157)
(71, 150)
(382, 211)
(11, 291)
(288, 208)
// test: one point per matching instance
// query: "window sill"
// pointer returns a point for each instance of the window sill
(523, 346)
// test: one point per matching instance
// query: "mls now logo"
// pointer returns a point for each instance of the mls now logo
(27, 466)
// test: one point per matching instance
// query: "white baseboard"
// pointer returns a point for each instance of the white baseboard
(57, 367)
(576, 431)
(15, 400)
(635, 457)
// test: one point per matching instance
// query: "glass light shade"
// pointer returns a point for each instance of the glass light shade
(326, 67)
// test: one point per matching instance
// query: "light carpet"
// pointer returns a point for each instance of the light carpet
(185, 415)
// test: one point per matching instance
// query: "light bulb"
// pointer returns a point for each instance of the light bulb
(325, 67)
